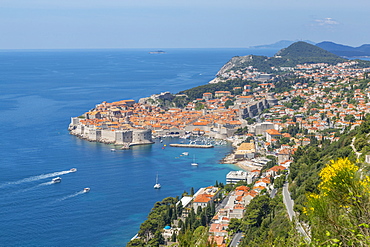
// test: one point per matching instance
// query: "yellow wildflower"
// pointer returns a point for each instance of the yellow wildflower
(337, 172)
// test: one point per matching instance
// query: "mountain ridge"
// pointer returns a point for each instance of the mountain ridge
(345, 50)
(279, 44)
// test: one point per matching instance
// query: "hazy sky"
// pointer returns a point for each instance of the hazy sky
(44, 24)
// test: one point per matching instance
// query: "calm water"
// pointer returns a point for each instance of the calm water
(39, 92)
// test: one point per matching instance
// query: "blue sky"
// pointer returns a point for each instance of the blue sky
(47, 24)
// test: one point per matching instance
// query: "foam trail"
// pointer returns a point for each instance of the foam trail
(70, 196)
(46, 183)
(36, 178)
(34, 187)
(31, 188)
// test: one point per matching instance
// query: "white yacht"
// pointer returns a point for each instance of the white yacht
(157, 185)
(86, 190)
(56, 180)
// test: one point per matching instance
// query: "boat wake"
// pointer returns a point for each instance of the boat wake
(33, 187)
(70, 196)
(36, 178)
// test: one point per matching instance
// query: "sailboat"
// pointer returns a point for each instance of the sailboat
(157, 185)
(194, 163)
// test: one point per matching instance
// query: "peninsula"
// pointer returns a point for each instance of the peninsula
(316, 112)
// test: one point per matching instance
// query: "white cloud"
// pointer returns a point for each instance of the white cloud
(326, 22)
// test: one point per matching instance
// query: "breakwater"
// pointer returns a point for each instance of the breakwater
(191, 145)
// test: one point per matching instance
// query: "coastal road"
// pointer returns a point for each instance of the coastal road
(289, 203)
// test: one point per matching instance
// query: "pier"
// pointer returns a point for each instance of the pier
(191, 146)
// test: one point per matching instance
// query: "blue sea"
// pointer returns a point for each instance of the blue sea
(39, 91)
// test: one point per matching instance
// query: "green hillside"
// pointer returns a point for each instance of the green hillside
(304, 50)
(297, 53)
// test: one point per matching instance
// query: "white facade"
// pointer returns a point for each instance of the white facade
(234, 177)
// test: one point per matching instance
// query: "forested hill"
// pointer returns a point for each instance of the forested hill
(303, 52)
(297, 53)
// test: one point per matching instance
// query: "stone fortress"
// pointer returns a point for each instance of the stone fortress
(129, 123)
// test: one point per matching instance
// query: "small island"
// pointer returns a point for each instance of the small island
(157, 52)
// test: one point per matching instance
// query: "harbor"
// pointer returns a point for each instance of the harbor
(190, 145)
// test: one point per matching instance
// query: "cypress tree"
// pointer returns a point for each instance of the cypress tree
(173, 237)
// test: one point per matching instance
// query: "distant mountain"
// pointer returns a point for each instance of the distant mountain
(364, 48)
(307, 53)
(345, 50)
(279, 45)
(297, 53)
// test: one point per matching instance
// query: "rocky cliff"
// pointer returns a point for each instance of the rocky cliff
(235, 62)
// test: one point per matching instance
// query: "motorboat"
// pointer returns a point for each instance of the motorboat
(157, 185)
(73, 170)
(86, 190)
(194, 163)
(113, 150)
(56, 180)
(185, 153)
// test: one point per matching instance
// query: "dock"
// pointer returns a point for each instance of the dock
(191, 146)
